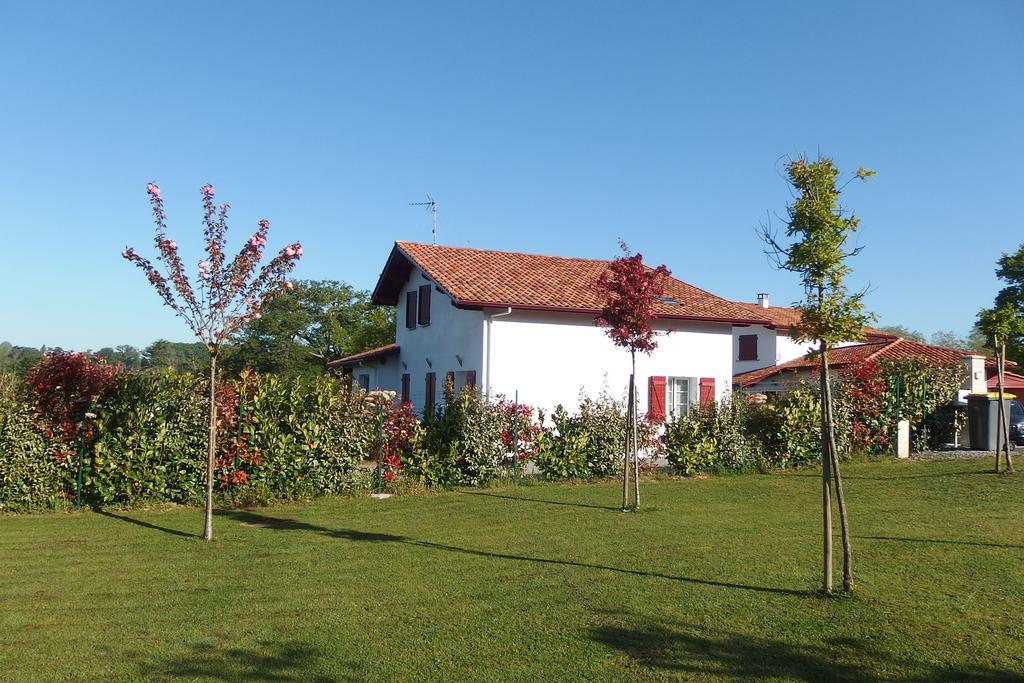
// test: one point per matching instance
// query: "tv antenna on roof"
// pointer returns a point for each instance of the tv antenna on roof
(433, 209)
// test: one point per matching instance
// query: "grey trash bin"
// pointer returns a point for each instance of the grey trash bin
(983, 420)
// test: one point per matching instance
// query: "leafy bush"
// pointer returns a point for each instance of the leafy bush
(590, 442)
(30, 477)
(465, 442)
(711, 438)
(150, 442)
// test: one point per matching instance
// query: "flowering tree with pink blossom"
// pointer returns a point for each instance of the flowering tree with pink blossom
(226, 295)
(630, 290)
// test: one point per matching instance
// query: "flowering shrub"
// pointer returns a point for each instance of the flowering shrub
(466, 442)
(401, 436)
(590, 442)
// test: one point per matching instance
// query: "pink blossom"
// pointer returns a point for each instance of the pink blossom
(171, 244)
(288, 284)
(153, 189)
(207, 190)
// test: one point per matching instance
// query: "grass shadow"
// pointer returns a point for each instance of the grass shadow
(543, 501)
(277, 524)
(985, 544)
(697, 652)
(147, 525)
(264, 661)
(897, 477)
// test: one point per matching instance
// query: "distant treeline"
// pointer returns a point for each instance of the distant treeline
(183, 356)
(298, 334)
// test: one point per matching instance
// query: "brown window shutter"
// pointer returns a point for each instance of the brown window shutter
(449, 384)
(655, 398)
(410, 310)
(424, 310)
(748, 347)
(707, 391)
(471, 379)
(405, 388)
(431, 389)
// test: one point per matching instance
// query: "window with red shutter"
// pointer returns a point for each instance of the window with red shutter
(424, 310)
(410, 310)
(748, 347)
(431, 390)
(405, 388)
(656, 398)
(707, 390)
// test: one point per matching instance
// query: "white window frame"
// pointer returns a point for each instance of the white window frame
(672, 385)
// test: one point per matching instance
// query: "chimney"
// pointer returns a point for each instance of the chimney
(762, 299)
(976, 381)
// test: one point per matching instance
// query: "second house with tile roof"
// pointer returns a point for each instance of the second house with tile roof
(508, 323)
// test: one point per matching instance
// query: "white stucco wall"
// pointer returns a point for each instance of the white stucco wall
(452, 334)
(381, 375)
(787, 349)
(766, 348)
(551, 357)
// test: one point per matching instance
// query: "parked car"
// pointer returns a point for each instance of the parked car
(1016, 423)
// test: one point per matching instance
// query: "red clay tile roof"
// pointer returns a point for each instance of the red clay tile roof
(784, 317)
(478, 278)
(846, 356)
(372, 354)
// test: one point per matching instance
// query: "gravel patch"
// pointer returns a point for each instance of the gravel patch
(959, 454)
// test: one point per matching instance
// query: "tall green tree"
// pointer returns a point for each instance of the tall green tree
(182, 356)
(1010, 269)
(820, 230)
(313, 323)
(905, 332)
(18, 359)
(1001, 323)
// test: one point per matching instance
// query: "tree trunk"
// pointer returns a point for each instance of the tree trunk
(826, 483)
(844, 521)
(632, 423)
(211, 448)
(625, 461)
(1004, 421)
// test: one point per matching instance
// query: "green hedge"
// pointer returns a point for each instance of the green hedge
(276, 439)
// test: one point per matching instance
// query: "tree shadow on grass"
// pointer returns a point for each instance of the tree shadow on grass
(277, 524)
(264, 661)
(147, 525)
(985, 544)
(539, 500)
(897, 477)
(691, 652)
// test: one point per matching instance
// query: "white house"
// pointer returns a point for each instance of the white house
(511, 323)
(760, 346)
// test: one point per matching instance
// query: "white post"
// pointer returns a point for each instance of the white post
(903, 439)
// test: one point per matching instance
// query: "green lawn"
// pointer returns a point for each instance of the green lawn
(715, 579)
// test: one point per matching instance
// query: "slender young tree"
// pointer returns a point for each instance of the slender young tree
(820, 229)
(226, 296)
(629, 290)
(1001, 323)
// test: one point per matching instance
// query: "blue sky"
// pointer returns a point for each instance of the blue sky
(549, 127)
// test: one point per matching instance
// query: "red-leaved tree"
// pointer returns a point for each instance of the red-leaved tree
(630, 290)
(227, 293)
(65, 387)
